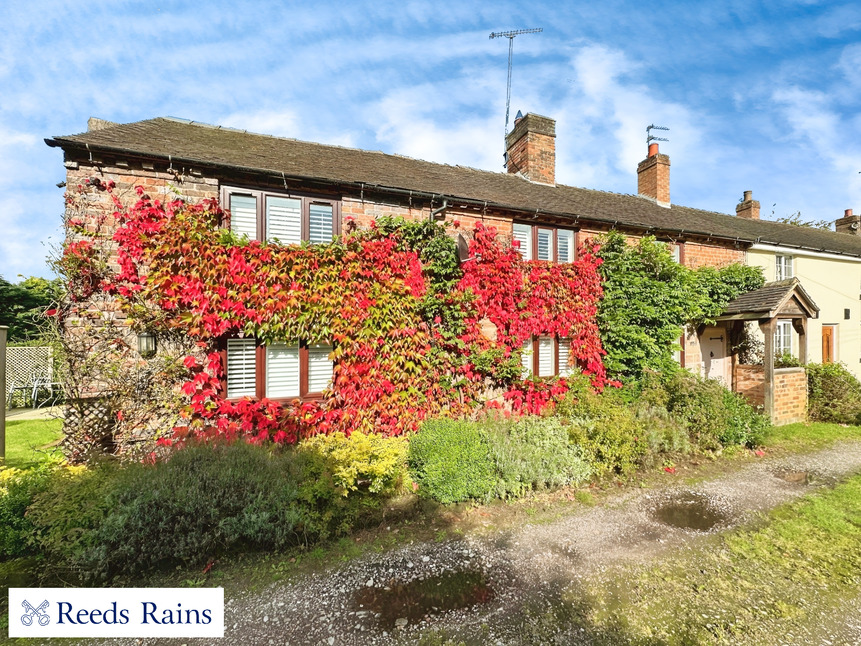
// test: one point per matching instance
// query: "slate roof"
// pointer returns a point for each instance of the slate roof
(768, 298)
(205, 145)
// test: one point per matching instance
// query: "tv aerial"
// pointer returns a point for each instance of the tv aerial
(650, 137)
(510, 35)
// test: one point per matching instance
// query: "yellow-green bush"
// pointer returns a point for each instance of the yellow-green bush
(374, 462)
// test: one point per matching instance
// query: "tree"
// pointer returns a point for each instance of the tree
(22, 305)
(795, 219)
(649, 298)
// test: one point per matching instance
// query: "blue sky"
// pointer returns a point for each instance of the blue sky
(758, 95)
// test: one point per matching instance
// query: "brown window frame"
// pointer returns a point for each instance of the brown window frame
(555, 229)
(535, 358)
(261, 194)
(260, 374)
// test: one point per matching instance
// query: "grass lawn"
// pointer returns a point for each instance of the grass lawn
(27, 441)
(809, 436)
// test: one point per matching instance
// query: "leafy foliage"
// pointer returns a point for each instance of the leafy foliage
(533, 453)
(450, 460)
(18, 489)
(372, 462)
(833, 394)
(713, 415)
(23, 305)
(402, 313)
(649, 298)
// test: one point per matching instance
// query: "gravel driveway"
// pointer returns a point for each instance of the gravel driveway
(390, 598)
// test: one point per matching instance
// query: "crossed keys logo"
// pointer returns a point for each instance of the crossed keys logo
(35, 613)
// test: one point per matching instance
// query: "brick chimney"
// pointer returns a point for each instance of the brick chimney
(653, 177)
(848, 223)
(531, 149)
(748, 208)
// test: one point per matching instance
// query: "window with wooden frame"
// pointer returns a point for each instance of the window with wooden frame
(539, 242)
(279, 371)
(285, 218)
(546, 356)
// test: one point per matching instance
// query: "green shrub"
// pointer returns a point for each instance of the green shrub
(345, 480)
(607, 431)
(786, 360)
(451, 461)
(18, 489)
(199, 503)
(373, 462)
(534, 452)
(73, 506)
(833, 394)
(713, 415)
(663, 432)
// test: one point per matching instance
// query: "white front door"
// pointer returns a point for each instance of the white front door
(716, 363)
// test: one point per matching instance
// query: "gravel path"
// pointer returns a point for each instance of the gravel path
(374, 600)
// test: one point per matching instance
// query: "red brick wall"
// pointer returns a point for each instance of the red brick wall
(702, 255)
(790, 391)
(790, 396)
(749, 381)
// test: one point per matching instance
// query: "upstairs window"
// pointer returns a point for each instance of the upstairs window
(282, 218)
(783, 267)
(543, 243)
(277, 370)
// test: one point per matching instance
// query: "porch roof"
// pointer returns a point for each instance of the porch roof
(786, 298)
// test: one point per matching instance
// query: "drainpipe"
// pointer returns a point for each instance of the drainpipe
(441, 209)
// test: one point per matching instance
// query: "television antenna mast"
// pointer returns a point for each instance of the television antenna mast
(650, 137)
(510, 36)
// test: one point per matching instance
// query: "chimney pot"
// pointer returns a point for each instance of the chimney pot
(653, 150)
(847, 213)
(748, 196)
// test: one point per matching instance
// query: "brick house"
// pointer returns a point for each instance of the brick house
(300, 191)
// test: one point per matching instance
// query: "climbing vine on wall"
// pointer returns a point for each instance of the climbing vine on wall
(401, 312)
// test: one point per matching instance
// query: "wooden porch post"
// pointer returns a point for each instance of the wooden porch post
(800, 326)
(768, 326)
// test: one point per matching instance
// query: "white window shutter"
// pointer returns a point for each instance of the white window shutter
(564, 353)
(546, 364)
(282, 370)
(522, 235)
(241, 368)
(526, 357)
(566, 246)
(243, 215)
(319, 368)
(320, 223)
(284, 220)
(545, 244)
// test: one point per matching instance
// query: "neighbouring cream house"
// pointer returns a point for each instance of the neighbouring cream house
(828, 266)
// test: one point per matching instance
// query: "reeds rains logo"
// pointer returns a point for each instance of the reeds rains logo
(117, 612)
(35, 613)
